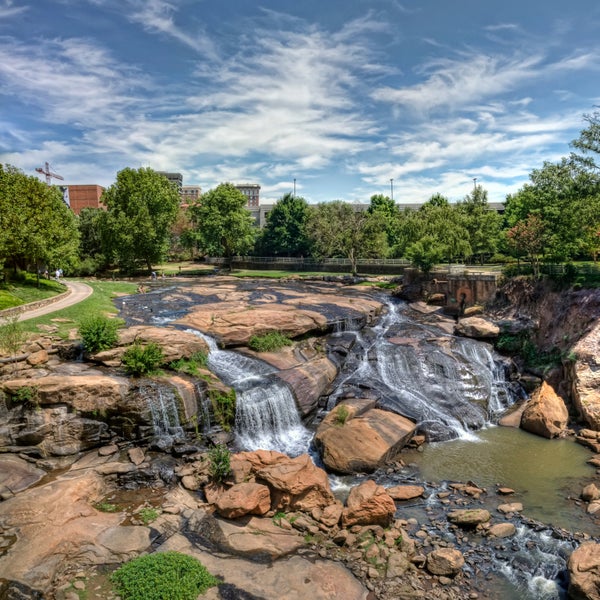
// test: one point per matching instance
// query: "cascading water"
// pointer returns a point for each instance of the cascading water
(163, 405)
(449, 386)
(266, 413)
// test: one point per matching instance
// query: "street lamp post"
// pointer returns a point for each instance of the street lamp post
(474, 183)
(392, 188)
(294, 187)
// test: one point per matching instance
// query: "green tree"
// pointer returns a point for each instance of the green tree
(223, 225)
(141, 207)
(588, 142)
(527, 238)
(37, 228)
(481, 223)
(390, 214)
(183, 236)
(91, 252)
(425, 253)
(285, 231)
(339, 229)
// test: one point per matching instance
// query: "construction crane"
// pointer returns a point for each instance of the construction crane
(45, 170)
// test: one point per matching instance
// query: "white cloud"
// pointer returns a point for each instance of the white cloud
(8, 10)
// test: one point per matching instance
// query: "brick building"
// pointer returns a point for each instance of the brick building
(84, 196)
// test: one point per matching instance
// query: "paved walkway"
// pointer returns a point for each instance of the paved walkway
(79, 291)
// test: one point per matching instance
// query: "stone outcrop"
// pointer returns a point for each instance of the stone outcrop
(356, 437)
(477, 327)
(174, 343)
(545, 414)
(368, 504)
(244, 499)
(584, 374)
(584, 572)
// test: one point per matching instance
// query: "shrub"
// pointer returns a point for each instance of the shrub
(142, 360)
(147, 515)
(12, 335)
(162, 576)
(28, 396)
(341, 415)
(223, 407)
(269, 342)
(219, 458)
(99, 333)
(191, 365)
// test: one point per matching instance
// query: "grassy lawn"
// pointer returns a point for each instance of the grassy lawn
(21, 292)
(100, 302)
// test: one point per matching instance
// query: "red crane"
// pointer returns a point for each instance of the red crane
(45, 170)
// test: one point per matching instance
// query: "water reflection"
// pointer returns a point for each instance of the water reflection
(543, 473)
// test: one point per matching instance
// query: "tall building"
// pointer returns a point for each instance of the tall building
(175, 178)
(252, 192)
(84, 196)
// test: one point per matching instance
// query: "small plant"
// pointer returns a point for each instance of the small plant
(191, 365)
(223, 405)
(269, 342)
(12, 336)
(28, 396)
(142, 360)
(278, 518)
(162, 575)
(147, 515)
(341, 415)
(219, 457)
(99, 333)
(106, 507)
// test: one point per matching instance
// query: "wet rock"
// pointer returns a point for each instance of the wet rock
(368, 504)
(445, 561)
(584, 572)
(502, 530)
(545, 414)
(17, 475)
(590, 492)
(511, 507)
(136, 455)
(469, 517)
(405, 492)
(355, 438)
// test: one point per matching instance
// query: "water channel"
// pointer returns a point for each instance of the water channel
(455, 389)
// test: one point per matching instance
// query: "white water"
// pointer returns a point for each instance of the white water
(266, 413)
(449, 386)
(163, 405)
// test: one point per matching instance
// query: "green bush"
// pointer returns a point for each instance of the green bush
(219, 457)
(269, 342)
(142, 360)
(99, 333)
(223, 406)
(162, 576)
(191, 365)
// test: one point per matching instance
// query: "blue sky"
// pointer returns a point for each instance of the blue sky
(342, 96)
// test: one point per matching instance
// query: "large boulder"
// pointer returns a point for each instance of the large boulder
(477, 327)
(368, 504)
(445, 561)
(296, 484)
(545, 414)
(355, 437)
(244, 499)
(584, 572)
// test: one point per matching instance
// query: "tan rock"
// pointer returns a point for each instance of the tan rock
(511, 507)
(136, 455)
(244, 499)
(584, 572)
(476, 327)
(545, 414)
(405, 492)
(445, 561)
(38, 358)
(296, 484)
(502, 530)
(584, 373)
(365, 440)
(469, 517)
(368, 504)
(590, 492)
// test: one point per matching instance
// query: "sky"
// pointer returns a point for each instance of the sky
(337, 100)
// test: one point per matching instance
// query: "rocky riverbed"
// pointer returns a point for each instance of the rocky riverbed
(87, 484)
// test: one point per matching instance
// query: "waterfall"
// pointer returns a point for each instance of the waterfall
(266, 413)
(163, 405)
(449, 386)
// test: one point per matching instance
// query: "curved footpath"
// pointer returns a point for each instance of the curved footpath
(78, 292)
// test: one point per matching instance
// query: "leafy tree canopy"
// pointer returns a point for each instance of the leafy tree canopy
(141, 207)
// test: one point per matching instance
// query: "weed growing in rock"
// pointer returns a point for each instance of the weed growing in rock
(99, 333)
(223, 405)
(107, 507)
(28, 396)
(220, 462)
(12, 336)
(162, 575)
(341, 415)
(269, 342)
(142, 360)
(147, 515)
(190, 365)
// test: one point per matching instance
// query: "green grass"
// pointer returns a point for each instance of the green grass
(100, 302)
(269, 342)
(17, 293)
